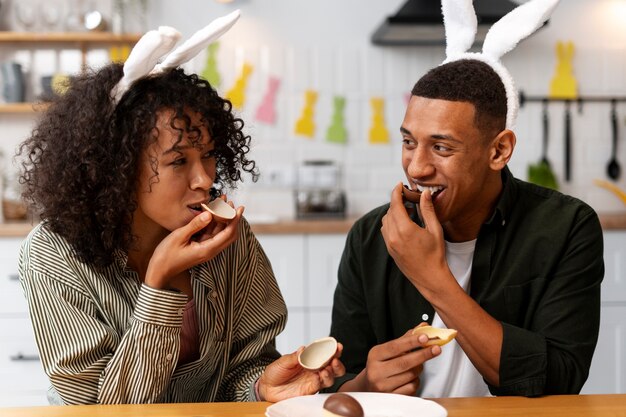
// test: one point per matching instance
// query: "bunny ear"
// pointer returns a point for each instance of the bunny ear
(460, 22)
(144, 56)
(198, 41)
(515, 26)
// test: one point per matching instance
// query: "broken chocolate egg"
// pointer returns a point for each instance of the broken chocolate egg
(436, 336)
(342, 405)
(411, 195)
(221, 210)
(318, 353)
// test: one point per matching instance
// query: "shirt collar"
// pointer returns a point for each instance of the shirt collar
(507, 199)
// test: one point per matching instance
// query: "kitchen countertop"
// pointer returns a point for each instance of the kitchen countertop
(615, 221)
(548, 406)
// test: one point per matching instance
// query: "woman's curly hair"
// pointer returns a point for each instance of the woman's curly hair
(81, 162)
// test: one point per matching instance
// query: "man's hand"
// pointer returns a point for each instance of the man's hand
(420, 253)
(286, 378)
(395, 366)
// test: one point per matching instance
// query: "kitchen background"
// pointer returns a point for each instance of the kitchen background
(284, 52)
(324, 46)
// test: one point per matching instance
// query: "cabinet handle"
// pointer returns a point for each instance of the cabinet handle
(14, 277)
(20, 357)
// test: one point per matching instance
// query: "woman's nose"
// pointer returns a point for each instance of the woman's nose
(200, 178)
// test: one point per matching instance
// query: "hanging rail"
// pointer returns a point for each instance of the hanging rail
(523, 99)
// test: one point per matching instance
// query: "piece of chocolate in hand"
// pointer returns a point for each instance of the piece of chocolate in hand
(342, 405)
(411, 195)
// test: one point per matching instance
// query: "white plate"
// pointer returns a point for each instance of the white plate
(374, 405)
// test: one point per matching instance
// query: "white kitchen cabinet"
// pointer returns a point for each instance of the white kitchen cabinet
(286, 254)
(608, 368)
(306, 269)
(22, 380)
(324, 253)
(305, 266)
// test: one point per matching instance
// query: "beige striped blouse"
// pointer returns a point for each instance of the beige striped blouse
(104, 337)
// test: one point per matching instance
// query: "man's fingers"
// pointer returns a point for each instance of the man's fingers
(409, 388)
(428, 212)
(396, 347)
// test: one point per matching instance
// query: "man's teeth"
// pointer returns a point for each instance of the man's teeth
(433, 190)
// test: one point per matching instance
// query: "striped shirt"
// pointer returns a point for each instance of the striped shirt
(105, 337)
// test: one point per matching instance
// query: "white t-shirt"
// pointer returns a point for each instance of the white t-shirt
(451, 374)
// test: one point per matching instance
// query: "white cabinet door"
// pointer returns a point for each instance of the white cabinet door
(319, 322)
(12, 299)
(286, 254)
(323, 256)
(295, 333)
(22, 380)
(306, 270)
(608, 368)
(614, 283)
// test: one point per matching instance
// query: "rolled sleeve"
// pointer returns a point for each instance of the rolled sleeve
(160, 307)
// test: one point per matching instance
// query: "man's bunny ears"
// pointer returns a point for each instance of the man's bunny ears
(460, 22)
(143, 59)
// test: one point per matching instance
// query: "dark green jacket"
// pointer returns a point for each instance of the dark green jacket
(537, 268)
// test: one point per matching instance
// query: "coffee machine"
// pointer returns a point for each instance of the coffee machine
(318, 192)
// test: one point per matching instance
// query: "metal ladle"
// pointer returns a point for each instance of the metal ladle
(613, 168)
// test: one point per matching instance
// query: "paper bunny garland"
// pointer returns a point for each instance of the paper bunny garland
(143, 59)
(461, 24)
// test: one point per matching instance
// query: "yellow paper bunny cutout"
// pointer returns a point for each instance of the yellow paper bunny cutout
(237, 94)
(378, 131)
(564, 84)
(305, 125)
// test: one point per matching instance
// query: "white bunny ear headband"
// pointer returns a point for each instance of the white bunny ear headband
(460, 23)
(143, 59)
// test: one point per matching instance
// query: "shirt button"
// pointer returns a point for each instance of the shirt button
(180, 311)
(169, 356)
(503, 222)
(424, 317)
(214, 294)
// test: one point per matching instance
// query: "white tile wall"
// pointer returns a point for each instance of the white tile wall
(337, 59)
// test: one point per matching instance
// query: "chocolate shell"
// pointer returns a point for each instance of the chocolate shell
(411, 195)
(343, 405)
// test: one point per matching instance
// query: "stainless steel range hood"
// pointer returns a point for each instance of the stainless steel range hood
(419, 22)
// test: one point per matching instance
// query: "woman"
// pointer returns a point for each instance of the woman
(136, 295)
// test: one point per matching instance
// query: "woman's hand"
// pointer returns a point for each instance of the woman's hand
(199, 241)
(286, 378)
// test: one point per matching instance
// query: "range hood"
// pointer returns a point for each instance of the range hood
(419, 22)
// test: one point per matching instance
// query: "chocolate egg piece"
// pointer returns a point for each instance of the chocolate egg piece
(411, 195)
(318, 353)
(342, 405)
(436, 336)
(221, 210)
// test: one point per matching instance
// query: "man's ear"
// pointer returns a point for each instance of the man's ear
(501, 149)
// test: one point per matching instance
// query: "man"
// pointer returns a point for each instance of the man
(514, 267)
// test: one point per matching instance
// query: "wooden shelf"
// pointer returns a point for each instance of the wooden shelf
(81, 40)
(69, 37)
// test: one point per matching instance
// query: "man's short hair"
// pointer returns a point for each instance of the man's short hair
(470, 81)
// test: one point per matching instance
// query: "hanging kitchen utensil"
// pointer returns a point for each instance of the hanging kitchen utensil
(613, 168)
(541, 173)
(568, 141)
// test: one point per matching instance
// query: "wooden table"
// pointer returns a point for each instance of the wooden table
(550, 406)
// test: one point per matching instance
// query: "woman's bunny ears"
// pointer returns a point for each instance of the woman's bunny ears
(143, 59)
(460, 22)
